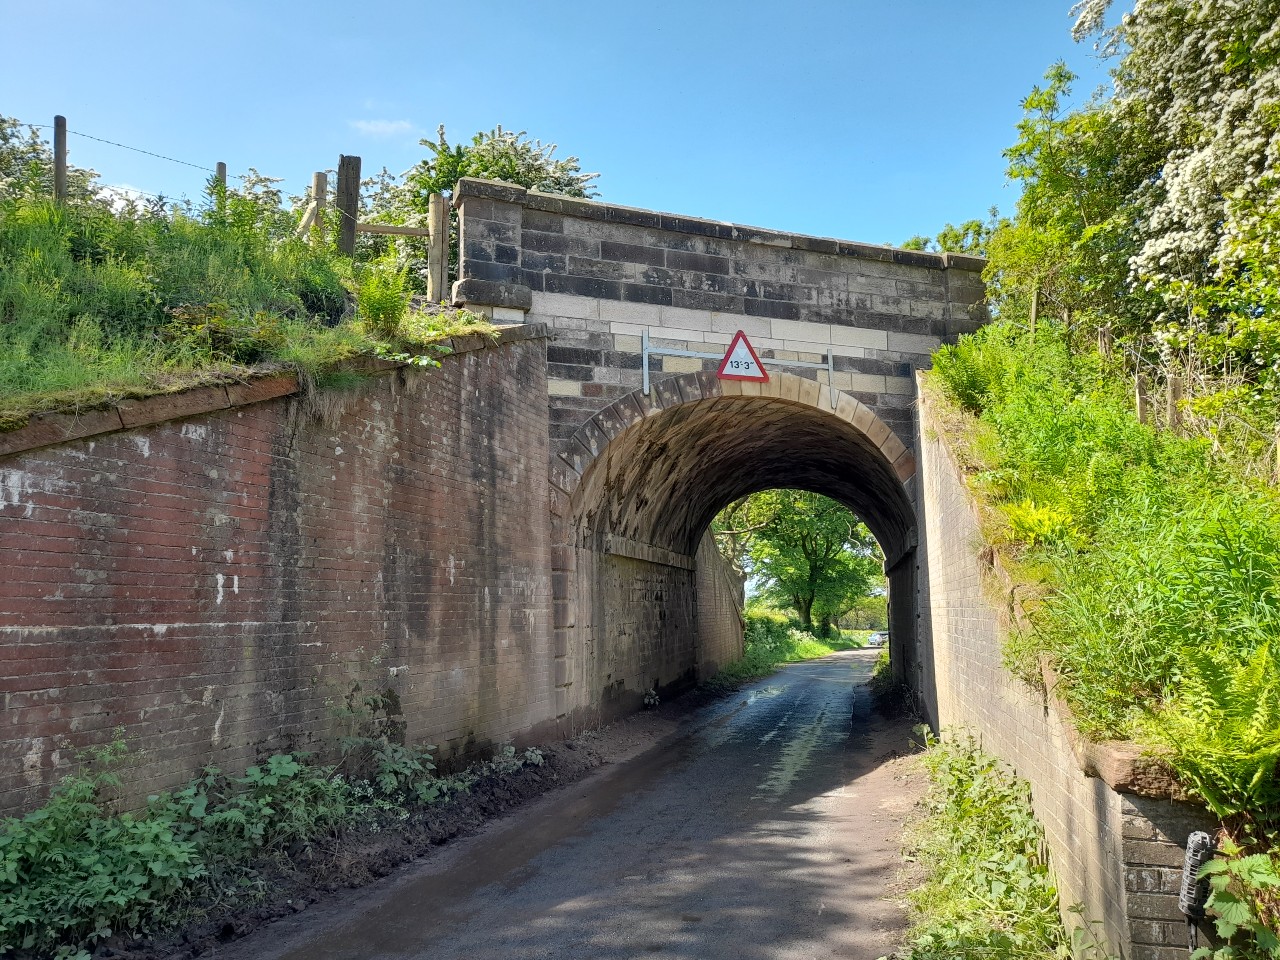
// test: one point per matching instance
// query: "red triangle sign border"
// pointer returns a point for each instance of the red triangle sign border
(741, 337)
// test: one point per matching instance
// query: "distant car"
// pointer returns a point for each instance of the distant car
(877, 640)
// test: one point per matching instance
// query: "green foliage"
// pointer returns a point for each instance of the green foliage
(72, 872)
(496, 155)
(772, 637)
(1244, 898)
(805, 551)
(988, 891)
(101, 300)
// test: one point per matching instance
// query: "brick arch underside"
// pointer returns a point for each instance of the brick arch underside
(635, 494)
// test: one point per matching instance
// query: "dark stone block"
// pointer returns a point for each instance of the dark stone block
(632, 216)
(557, 243)
(566, 206)
(543, 222)
(698, 262)
(622, 361)
(604, 269)
(632, 253)
(785, 291)
(494, 272)
(496, 230)
(474, 251)
(473, 187)
(583, 286)
(531, 279)
(816, 244)
(570, 371)
(561, 354)
(489, 293)
(775, 309)
(706, 300)
(555, 262)
(657, 276)
(506, 253)
(642, 293)
(700, 228)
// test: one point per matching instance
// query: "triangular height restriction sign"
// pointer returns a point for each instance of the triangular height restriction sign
(741, 363)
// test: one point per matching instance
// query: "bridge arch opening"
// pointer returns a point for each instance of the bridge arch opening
(637, 599)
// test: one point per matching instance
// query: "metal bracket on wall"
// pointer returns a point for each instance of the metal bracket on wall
(646, 351)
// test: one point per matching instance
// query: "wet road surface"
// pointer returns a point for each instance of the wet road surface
(765, 829)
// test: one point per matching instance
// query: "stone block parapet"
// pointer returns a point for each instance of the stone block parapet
(600, 275)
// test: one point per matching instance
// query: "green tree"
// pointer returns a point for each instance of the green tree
(496, 155)
(26, 166)
(806, 551)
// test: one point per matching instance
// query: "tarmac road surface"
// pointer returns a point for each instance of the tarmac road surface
(766, 828)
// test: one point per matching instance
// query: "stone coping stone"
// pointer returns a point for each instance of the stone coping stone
(635, 216)
(47, 429)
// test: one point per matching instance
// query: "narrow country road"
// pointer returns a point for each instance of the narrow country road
(766, 828)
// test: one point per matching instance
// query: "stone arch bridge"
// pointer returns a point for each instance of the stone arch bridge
(635, 477)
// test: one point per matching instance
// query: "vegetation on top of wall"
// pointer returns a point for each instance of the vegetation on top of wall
(1141, 260)
(102, 298)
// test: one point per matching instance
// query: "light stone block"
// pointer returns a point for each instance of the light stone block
(913, 343)
(731, 323)
(867, 383)
(681, 365)
(685, 318)
(616, 311)
(842, 351)
(626, 343)
(860, 337)
(805, 349)
(563, 388)
(903, 386)
(632, 329)
(565, 305)
(681, 333)
(800, 330)
(508, 315)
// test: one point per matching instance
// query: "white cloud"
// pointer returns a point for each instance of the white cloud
(382, 128)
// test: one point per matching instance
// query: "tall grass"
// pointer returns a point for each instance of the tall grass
(771, 639)
(987, 890)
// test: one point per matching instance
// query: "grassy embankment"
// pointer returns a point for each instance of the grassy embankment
(1148, 562)
(99, 304)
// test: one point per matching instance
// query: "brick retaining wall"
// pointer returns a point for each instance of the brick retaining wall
(215, 583)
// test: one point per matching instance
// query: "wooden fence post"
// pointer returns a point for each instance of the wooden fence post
(59, 158)
(220, 194)
(320, 197)
(1105, 340)
(438, 249)
(1173, 397)
(1141, 401)
(348, 203)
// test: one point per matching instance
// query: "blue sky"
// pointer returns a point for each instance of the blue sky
(865, 120)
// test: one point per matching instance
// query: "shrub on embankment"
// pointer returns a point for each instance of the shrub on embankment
(1147, 561)
(100, 302)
